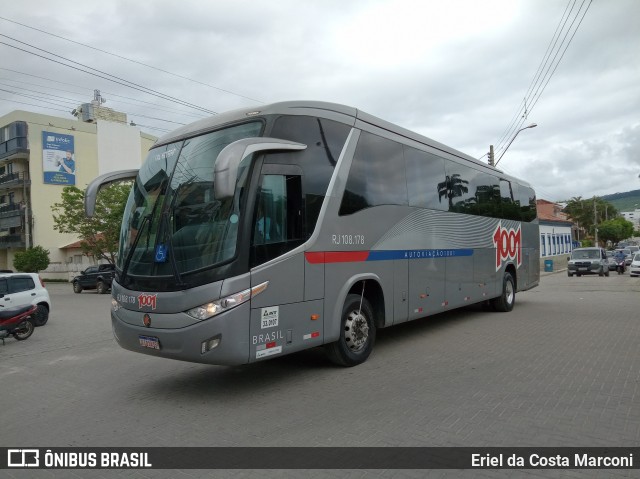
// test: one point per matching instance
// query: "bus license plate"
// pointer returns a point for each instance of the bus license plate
(149, 342)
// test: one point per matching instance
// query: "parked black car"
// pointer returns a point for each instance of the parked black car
(95, 277)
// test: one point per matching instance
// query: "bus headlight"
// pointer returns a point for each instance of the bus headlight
(221, 305)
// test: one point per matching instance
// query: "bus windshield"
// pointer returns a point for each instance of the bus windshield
(172, 223)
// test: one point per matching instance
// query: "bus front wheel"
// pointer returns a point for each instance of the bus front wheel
(507, 299)
(357, 333)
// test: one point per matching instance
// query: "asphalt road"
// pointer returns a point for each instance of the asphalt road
(562, 369)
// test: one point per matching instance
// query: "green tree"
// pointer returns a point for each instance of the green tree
(31, 260)
(585, 212)
(615, 230)
(99, 235)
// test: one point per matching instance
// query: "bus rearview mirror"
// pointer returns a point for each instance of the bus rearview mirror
(229, 159)
(91, 193)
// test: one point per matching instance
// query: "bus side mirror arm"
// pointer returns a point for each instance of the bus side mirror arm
(226, 166)
(91, 193)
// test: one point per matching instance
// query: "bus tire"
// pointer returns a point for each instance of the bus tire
(507, 299)
(357, 333)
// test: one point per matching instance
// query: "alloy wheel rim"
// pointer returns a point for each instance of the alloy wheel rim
(356, 331)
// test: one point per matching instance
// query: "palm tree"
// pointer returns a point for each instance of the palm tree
(452, 187)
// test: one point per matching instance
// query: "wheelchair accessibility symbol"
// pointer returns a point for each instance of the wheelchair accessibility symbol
(161, 253)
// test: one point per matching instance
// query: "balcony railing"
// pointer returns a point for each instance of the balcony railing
(11, 209)
(12, 241)
(14, 178)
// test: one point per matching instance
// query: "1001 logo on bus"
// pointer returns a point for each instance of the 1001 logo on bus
(147, 300)
(508, 244)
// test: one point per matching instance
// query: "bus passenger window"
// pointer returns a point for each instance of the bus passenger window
(377, 175)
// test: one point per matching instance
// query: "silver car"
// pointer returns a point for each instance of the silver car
(588, 261)
(634, 268)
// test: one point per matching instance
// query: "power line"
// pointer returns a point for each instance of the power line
(44, 100)
(563, 52)
(541, 80)
(118, 80)
(76, 102)
(130, 60)
(33, 97)
(505, 135)
(33, 104)
(155, 107)
(550, 47)
(538, 79)
(40, 92)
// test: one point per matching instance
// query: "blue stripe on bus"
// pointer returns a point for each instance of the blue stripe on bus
(317, 257)
(418, 254)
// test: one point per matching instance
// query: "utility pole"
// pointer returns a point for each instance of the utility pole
(595, 220)
(491, 163)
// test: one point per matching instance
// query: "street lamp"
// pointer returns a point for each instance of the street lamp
(532, 125)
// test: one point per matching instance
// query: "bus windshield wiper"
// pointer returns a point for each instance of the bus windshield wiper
(172, 259)
(132, 249)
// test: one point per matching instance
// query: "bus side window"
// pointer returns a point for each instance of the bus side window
(278, 216)
(377, 175)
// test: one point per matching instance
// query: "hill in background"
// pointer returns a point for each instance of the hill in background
(628, 201)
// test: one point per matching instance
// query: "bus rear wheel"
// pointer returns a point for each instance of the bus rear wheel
(357, 333)
(507, 299)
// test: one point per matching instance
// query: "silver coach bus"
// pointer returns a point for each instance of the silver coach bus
(261, 232)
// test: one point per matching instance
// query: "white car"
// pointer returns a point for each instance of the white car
(634, 268)
(24, 289)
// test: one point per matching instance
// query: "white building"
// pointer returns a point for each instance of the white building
(556, 238)
(632, 216)
(39, 156)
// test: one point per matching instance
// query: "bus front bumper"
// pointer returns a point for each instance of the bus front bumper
(222, 340)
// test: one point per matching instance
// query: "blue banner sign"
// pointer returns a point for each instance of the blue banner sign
(58, 159)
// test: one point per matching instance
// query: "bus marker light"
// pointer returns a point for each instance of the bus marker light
(315, 317)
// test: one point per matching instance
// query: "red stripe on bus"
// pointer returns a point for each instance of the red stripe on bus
(336, 256)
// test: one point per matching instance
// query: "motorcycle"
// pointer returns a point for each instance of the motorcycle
(17, 322)
(620, 266)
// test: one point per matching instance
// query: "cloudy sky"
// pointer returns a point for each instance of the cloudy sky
(458, 71)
